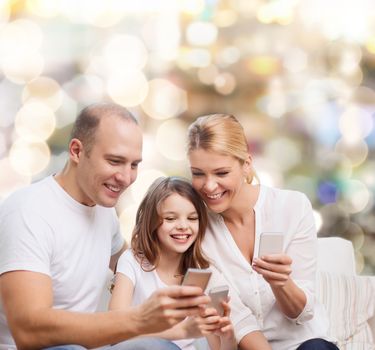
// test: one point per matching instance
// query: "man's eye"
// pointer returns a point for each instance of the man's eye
(114, 161)
(134, 166)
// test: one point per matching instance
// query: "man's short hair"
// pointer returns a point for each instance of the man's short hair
(88, 120)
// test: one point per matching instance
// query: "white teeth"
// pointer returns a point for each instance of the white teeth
(114, 188)
(214, 196)
(180, 236)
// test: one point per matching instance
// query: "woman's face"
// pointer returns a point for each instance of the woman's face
(218, 178)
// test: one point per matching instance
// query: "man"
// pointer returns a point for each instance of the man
(58, 237)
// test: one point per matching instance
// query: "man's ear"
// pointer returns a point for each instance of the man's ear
(75, 150)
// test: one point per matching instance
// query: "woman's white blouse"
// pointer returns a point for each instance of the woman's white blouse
(283, 211)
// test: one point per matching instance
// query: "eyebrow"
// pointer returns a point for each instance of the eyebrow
(217, 169)
(174, 212)
(121, 158)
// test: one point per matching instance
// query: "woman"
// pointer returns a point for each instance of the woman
(277, 288)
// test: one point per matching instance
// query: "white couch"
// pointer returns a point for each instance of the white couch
(349, 299)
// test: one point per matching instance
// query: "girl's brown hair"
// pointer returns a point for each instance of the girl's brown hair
(145, 243)
(220, 133)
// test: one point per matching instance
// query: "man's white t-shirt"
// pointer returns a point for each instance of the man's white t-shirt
(43, 229)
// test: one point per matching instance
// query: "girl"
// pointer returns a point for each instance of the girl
(170, 224)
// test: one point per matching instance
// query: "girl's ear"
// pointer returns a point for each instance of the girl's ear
(75, 150)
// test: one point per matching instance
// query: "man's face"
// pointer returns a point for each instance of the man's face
(111, 165)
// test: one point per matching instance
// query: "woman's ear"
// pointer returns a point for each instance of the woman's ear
(75, 150)
(248, 165)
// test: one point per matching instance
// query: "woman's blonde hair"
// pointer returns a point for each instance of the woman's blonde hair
(145, 243)
(220, 133)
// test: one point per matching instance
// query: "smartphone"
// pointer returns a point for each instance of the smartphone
(197, 277)
(217, 295)
(270, 243)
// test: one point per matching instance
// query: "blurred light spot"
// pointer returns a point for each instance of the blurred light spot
(191, 7)
(356, 153)
(127, 221)
(280, 11)
(318, 220)
(225, 83)
(356, 235)
(295, 60)
(225, 18)
(263, 65)
(355, 196)
(327, 192)
(3, 145)
(143, 182)
(227, 56)
(44, 90)
(164, 100)
(35, 122)
(68, 111)
(363, 96)
(128, 88)
(4, 12)
(355, 124)
(125, 52)
(283, 152)
(350, 59)
(21, 69)
(269, 172)
(276, 100)
(10, 180)
(169, 139)
(9, 102)
(194, 58)
(335, 163)
(85, 89)
(370, 45)
(208, 74)
(20, 37)
(201, 33)
(96, 12)
(44, 8)
(29, 158)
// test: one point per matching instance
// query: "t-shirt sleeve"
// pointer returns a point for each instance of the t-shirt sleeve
(25, 242)
(128, 266)
(117, 238)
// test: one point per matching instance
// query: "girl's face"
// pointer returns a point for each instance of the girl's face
(180, 224)
(217, 178)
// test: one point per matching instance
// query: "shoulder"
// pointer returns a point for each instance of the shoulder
(284, 197)
(26, 198)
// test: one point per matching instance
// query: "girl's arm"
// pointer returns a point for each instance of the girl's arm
(122, 293)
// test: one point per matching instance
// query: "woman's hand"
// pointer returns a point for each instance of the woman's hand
(275, 269)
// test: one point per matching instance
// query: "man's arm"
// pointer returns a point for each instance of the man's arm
(27, 299)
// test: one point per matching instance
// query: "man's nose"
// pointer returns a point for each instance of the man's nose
(124, 176)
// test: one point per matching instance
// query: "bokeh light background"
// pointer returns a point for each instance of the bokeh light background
(299, 74)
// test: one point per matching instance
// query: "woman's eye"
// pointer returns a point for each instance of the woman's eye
(223, 173)
(196, 174)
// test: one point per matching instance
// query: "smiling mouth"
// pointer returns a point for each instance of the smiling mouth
(215, 196)
(112, 188)
(180, 237)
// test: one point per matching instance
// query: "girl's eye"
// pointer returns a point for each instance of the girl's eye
(169, 219)
(193, 218)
